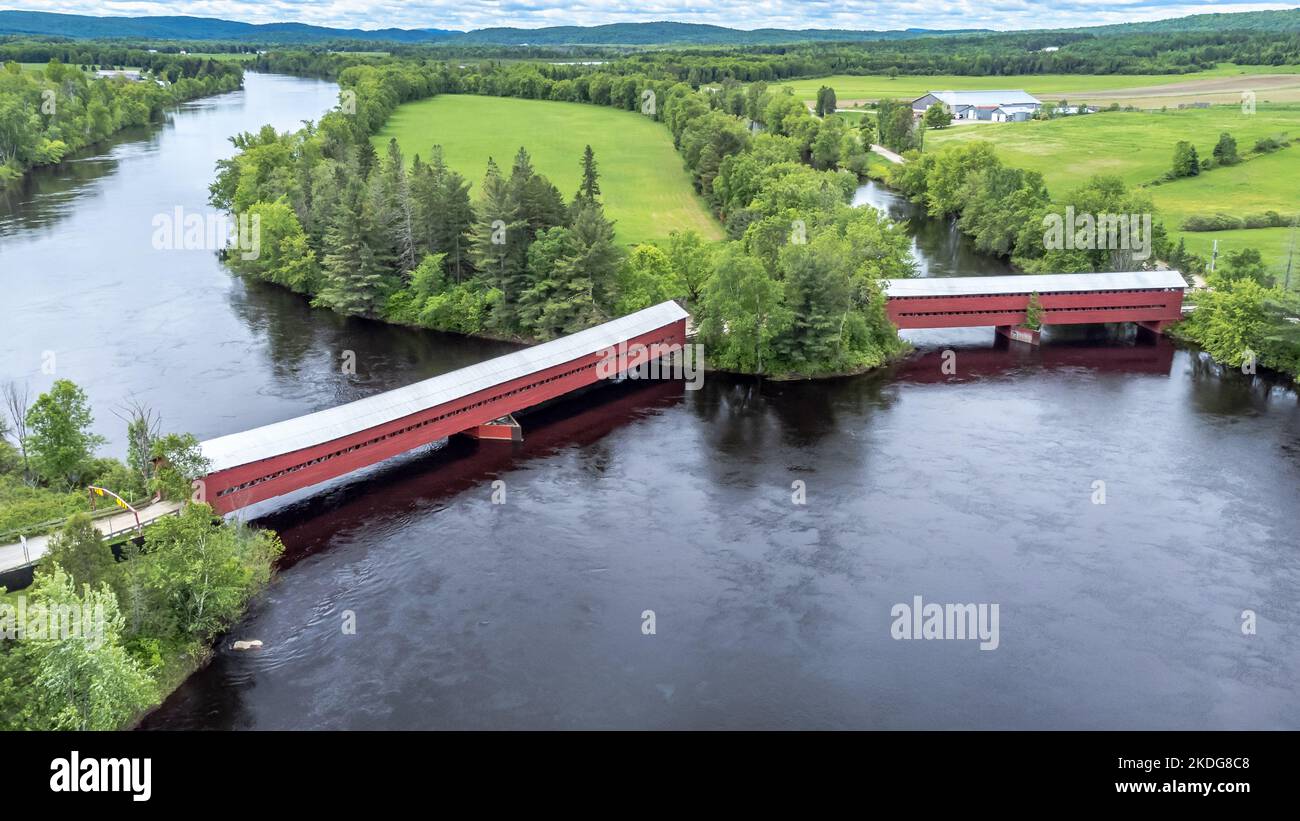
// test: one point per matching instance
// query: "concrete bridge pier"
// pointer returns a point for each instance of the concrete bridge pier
(1020, 333)
(505, 429)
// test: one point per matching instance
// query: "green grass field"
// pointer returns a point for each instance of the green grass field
(1051, 87)
(1139, 146)
(644, 186)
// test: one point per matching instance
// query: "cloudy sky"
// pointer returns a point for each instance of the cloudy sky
(793, 14)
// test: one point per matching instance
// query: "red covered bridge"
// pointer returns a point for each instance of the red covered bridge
(276, 459)
(1152, 299)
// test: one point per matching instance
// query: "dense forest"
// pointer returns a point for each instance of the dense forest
(759, 185)
(795, 290)
(984, 55)
(48, 112)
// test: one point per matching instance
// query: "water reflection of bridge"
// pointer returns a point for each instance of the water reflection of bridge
(959, 364)
(429, 477)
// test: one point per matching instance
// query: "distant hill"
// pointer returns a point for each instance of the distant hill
(1284, 20)
(616, 34)
(198, 28)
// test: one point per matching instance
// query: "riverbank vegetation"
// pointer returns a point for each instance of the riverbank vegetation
(1139, 148)
(47, 114)
(792, 291)
(99, 637)
(1237, 188)
(1006, 211)
(1245, 315)
(94, 641)
(47, 458)
(778, 177)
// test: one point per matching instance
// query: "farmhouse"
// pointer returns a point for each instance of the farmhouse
(994, 106)
(112, 74)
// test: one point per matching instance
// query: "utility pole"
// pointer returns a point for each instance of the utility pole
(1214, 255)
(1290, 256)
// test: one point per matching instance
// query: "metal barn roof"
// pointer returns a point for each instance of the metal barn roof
(993, 98)
(343, 420)
(1027, 283)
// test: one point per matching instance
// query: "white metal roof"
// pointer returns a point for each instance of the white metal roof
(343, 420)
(995, 97)
(1027, 283)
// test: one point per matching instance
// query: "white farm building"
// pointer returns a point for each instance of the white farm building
(993, 106)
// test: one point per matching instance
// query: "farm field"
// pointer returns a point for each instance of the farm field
(1271, 83)
(644, 187)
(231, 56)
(1273, 244)
(1138, 147)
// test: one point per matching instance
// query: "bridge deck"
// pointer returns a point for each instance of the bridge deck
(1152, 298)
(14, 556)
(274, 459)
(1026, 284)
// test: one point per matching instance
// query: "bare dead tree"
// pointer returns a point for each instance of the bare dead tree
(17, 401)
(143, 427)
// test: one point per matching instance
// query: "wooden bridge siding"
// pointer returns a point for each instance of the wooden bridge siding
(404, 440)
(1058, 309)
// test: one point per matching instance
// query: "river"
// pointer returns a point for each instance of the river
(974, 487)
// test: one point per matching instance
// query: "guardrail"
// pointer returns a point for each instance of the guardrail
(42, 528)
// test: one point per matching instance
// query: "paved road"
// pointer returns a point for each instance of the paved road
(13, 556)
(887, 154)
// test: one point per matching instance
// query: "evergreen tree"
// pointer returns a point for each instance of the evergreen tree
(558, 298)
(453, 217)
(818, 296)
(540, 204)
(589, 188)
(367, 158)
(598, 256)
(394, 204)
(500, 245)
(357, 261)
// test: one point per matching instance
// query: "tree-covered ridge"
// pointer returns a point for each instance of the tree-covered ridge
(626, 34)
(1010, 54)
(657, 33)
(47, 114)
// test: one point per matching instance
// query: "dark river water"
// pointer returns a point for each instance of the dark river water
(978, 486)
